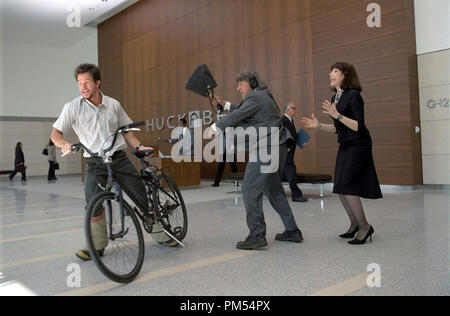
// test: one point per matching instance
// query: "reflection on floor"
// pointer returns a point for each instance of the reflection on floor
(41, 228)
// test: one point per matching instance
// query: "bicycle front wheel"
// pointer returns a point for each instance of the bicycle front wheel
(114, 238)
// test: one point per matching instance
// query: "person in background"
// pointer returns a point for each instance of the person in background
(182, 124)
(51, 161)
(19, 164)
(186, 136)
(289, 169)
(231, 158)
(355, 176)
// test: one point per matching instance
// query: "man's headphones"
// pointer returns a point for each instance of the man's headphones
(253, 81)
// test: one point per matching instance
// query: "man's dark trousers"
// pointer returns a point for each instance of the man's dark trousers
(221, 167)
(290, 173)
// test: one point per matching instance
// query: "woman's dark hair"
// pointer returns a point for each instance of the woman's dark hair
(18, 144)
(351, 80)
(50, 143)
(90, 68)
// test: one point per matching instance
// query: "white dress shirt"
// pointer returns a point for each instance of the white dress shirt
(93, 125)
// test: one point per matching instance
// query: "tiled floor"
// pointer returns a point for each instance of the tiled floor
(41, 228)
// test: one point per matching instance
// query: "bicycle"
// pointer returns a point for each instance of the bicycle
(120, 257)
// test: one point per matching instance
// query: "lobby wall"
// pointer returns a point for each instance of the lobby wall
(433, 50)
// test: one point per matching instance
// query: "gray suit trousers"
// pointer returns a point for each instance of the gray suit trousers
(255, 185)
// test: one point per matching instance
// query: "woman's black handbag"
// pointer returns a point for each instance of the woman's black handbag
(56, 165)
(21, 168)
(45, 151)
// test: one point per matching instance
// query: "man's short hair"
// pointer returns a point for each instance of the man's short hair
(246, 75)
(183, 120)
(90, 68)
(287, 107)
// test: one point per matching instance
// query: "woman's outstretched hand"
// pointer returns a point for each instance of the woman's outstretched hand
(330, 109)
(312, 122)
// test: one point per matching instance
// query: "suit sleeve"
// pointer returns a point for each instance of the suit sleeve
(233, 107)
(249, 107)
(356, 111)
(290, 142)
(20, 157)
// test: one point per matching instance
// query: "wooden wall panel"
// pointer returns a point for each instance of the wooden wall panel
(110, 56)
(148, 51)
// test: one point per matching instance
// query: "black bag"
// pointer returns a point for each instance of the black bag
(20, 168)
(201, 81)
(45, 151)
(56, 165)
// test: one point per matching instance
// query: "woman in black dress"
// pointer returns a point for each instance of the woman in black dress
(355, 176)
(51, 149)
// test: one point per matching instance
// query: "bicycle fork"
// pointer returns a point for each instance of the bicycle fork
(122, 232)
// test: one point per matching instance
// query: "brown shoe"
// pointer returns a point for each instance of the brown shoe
(86, 256)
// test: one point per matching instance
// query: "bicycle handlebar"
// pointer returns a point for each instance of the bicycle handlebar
(76, 147)
(120, 130)
(124, 129)
(142, 153)
(127, 127)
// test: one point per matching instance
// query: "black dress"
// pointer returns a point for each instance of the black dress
(355, 172)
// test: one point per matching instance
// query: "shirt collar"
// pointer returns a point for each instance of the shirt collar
(290, 119)
(90, 103)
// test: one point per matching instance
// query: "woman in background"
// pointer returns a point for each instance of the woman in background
(51, 161)
(355, 176)
(19, 164)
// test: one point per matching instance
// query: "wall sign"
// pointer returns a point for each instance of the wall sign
(438, 103)
(171, 121)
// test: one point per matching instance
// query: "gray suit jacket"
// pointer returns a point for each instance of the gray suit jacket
(257, 109)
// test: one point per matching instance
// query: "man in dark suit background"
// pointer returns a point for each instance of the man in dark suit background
(187, 149)
(289, 169)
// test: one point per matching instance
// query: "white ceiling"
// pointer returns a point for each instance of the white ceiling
(47, 22)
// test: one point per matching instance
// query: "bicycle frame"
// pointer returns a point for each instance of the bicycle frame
(146, 176)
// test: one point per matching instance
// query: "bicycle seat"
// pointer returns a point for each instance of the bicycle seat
(142, 153)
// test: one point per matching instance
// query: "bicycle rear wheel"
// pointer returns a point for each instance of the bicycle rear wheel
(172, 212)
(123, 255)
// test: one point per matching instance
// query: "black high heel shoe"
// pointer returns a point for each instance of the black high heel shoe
(349, 234)
(362, 242)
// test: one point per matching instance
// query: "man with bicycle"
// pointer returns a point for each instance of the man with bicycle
(94, 117)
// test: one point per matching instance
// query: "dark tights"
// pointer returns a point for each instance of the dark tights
(355, 212)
